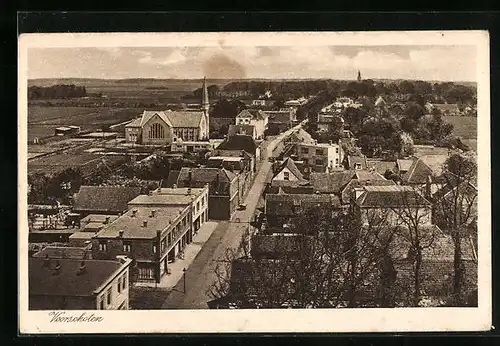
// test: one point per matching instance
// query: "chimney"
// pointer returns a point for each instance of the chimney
(174, 186)
(217, 180)
(144, 223)
(189, 190)
(57, 268)
(107, 220)
(190, 176)
(120, 233)
(46, 262)
(330, 142)
(134, 213)
(153, 213)
(315, 142)
(81, 269)
(428, 190)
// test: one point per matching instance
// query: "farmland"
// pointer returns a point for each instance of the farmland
(42, 120)
(465, 128)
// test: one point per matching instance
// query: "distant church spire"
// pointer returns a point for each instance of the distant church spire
(359, 76)
(205, 105)
(204, 96)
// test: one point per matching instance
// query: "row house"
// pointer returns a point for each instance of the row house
(151, 236)
(73, 284)
(196, 198)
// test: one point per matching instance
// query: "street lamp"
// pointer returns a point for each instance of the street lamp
(184, 275)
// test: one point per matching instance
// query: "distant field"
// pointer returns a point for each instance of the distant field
(464, 127)
(43, 120)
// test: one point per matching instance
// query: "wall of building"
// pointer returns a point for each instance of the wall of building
(393, 217)
(281, 175)
(132, 134)
(51, 302)
(119, 295)
(168, 134)
(221, 207)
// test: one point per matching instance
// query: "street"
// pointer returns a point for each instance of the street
(200, 274)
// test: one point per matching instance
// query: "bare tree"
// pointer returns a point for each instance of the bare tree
(413, 214)
(456, 211)
(323, 260)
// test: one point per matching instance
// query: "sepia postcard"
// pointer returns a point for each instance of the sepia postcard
(254, 182)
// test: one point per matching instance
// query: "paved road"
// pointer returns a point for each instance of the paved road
(200, 274)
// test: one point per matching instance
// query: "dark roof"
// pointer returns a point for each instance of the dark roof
(241, 129)
(231, 153)
(354, 159)
(381, 166)
(171, 179)
(281, 187)
(290, 165)
(332, 182)
(285, 204)
(252, 113)
(239, 142)
(279, 117)
(184, 119)
(112, 199)
(418, 173)
(42, 280)
(205, 175)
(446, 106)
(354, 183)
(391, 196)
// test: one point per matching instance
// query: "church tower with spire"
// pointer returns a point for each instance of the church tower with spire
(205, 105)
(359, 76)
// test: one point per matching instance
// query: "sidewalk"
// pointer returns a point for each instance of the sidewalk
(190, 252)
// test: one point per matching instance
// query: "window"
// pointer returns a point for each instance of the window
(156, 131)
(169, 238)
(101, 304)
(103, 246)
(286, 175)
(305, 151)
(319, 151)
(154, 249)
(108, 295)
(197, 206)
(119, 286)
(124, 282)
(163, 244)
(203, 201)
(127, 246)
(145, 273)
(357, 166)
(319, 162)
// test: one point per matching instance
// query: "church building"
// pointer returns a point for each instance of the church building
(165, 127)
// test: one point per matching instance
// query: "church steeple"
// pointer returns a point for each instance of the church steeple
(204, 96)
(205, 105)
(359, 76)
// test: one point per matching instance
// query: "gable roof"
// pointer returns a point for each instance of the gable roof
(67, 282)
(239, 142)
(381, 166)
(354, 183)
(332, 182)
(352, 160)
(171, 118)
(285, 204)
(205, 175)
(380, 102)
(241, 129)
(290, 165)
(391, 196)
(279, 117)
(112, 199)
(418, 173)
(404, 164)
(184, 118)
(252, 114)
(301, 136)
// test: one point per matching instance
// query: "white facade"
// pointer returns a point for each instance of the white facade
(321, 157)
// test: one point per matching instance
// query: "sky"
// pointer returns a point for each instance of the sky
(443, 63)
